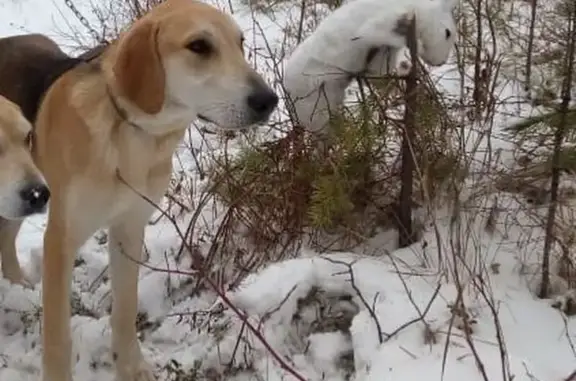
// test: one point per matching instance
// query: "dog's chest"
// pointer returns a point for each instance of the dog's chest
(142, 166)
(140, 152)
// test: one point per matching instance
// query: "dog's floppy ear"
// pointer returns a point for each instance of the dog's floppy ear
(138, 68)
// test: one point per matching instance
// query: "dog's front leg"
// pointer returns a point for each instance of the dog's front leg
(126, 238)
(61, 241)
(389, 60)
(11, 269)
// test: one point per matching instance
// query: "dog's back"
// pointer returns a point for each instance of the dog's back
(29, 64)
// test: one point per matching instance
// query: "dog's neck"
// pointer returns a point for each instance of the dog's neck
(172, 117)
(122, 115)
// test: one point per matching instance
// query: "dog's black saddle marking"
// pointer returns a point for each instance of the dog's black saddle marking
(30, 64)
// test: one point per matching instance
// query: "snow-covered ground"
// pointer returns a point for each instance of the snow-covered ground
(387, 314)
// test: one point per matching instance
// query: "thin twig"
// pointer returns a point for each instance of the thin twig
(371, 311)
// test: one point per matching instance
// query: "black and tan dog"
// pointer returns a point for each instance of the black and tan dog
(105, 132)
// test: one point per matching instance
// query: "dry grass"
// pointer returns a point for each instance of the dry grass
(283, 189)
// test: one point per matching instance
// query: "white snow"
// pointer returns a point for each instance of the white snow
(398, 307)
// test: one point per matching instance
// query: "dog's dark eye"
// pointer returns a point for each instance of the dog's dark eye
(200, 46)
(448, 33)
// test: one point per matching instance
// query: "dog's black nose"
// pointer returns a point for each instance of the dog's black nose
(262, 102)
(35, 196)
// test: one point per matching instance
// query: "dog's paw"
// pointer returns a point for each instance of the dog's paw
(145, 373)
(21, 279)
(138, 372)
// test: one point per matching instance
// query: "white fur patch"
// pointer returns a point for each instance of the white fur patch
(319, 70)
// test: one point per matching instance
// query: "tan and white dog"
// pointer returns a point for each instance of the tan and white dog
(23, 190)
(105, 134)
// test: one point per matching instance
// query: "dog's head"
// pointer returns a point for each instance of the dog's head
(436, 30)
(23, 190)
(187, 57)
